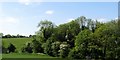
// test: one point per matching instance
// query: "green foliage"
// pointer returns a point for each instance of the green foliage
(11, 48)
(64, 49)
(48, 47)
(46, 29)
(86, 39)
(73, 54)
(82, 37)
(108, 36)
(61, 32)
(37, 46)
(4, 50)
(33, 46)
(8, 36)
(27, 48)
(55, 48)
(81, 43)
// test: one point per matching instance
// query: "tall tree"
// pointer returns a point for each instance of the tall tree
(46, 29)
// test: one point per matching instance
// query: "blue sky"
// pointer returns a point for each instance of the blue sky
(23, 18)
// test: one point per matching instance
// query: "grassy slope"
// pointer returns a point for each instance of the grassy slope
(20, 55)
(17, 56)
(17, 42)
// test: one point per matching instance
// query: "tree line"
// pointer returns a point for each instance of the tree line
(81, 38)
(15, 36)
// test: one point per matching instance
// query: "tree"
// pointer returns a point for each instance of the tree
(109, 37)
(30, 36)
(18, 36)
(45, 30)
(82, 21)
(8, 36)
(81, 42)
(61, 32)
(81, 38)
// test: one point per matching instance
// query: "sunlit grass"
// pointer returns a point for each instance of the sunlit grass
(23, 55)
(17, 42)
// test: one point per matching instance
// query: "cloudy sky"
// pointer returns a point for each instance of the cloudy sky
(23, 17)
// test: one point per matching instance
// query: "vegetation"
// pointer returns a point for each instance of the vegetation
(17, 55)
(17, 42)
(81, 38)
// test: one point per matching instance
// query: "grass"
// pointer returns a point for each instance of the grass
(24, 56)
(17, 42)
(0, 56)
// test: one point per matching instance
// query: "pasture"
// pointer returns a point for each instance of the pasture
(17, 42)
(23, 56)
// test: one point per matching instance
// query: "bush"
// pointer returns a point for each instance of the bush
(64, 49)
(37, 46)
(74, 54)
(47, 47)
(55, 48)
(11, 48)
(4, 50)
(27, 48)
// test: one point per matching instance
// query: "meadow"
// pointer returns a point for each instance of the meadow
(25, 56)
(17, 42)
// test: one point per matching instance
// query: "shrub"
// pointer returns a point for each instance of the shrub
(4, 50)
(37, 48)
(55, 48)
(64, 49)
(74, 54)
(47, 47)
(27, 48)
(11, 48)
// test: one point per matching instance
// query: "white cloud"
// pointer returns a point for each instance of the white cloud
(49, 12)
(102, 20)
(8, 25)
(70, 19)
(116, 18)
(28, 2)
(8, 20)
(25, 2)
(12, 20)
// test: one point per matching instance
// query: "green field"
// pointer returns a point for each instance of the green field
(20, 56)
(23, 55)
(17, 42)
